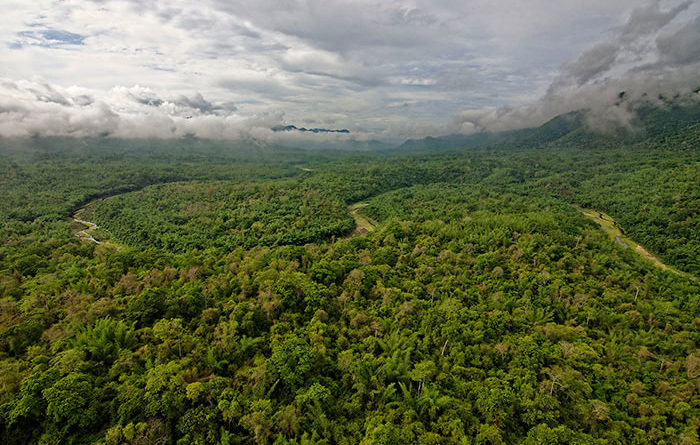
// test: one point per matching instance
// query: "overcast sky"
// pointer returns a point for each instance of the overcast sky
(382, 69)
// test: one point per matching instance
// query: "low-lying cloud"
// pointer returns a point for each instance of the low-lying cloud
(648, 60)
(29, 108)
(36, 108)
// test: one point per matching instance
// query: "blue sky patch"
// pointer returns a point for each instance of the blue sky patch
(49, 38)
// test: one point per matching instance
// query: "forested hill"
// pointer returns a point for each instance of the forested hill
(570, 129)
(547, 132)
(614, 177)
(230, 302)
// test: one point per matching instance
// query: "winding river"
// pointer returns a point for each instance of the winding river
(83, 234)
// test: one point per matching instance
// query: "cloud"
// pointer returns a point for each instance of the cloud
(651, 55)
(631, 42)
(682, 46)
(29, 108)
(200, 67)
(599, 59)
(199, 103)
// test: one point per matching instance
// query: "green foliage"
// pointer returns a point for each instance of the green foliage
(105, 340)
(227, 308)
(291, 361)
(71, 401)
(182, 217)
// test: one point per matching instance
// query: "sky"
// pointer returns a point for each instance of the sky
(386, 70)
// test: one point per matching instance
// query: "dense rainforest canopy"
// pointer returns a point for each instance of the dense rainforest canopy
(230, 302)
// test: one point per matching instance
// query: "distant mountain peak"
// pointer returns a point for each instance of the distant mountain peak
(308, 130)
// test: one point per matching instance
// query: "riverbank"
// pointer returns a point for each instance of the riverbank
(616, 233)
(363, 225)
(86, 234)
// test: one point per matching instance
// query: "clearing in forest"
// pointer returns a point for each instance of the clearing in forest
(363, 225)
(616, 233)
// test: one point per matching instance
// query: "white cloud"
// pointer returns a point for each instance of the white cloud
(654, 53)
(216, 66)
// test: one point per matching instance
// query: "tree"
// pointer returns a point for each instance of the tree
(71, 401)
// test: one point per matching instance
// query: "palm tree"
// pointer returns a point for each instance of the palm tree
(430, 402)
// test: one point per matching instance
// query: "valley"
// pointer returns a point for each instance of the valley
(483, 294)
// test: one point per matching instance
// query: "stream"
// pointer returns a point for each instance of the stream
(83, 234)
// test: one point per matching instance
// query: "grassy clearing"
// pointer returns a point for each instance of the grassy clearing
(615, 233)
(363, 224)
